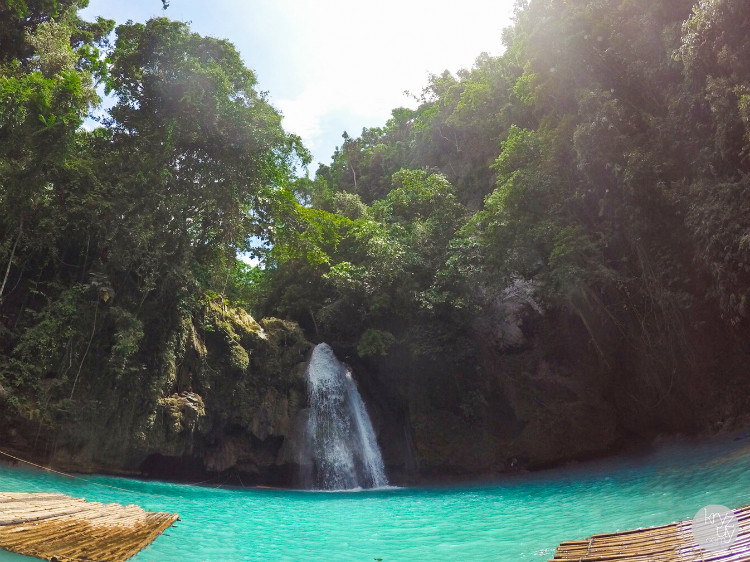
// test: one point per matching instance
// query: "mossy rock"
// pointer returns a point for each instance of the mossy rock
(238, 357)
(235, 323)
(285, 348)
(183, 411)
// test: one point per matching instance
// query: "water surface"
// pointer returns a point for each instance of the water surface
(520, 519)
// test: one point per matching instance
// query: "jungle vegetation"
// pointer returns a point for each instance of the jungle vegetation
(599, 166)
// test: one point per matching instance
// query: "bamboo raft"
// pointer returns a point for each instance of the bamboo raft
(667, 543)
(58, 527)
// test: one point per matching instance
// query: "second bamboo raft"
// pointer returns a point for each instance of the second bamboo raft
(667, 543)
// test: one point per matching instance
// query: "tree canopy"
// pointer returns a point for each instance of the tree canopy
(593, 176)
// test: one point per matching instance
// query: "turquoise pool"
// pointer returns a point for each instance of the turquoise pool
(519, 519)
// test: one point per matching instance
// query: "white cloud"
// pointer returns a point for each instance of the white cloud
(335, 65)
(302, 114)
(357, 58)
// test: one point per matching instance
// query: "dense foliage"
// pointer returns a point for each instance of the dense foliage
(592, 179)
(600, 164)
(113, 237)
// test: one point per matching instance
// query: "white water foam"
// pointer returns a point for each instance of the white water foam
(340, 442)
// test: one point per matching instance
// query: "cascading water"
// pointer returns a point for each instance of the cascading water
(341, 449)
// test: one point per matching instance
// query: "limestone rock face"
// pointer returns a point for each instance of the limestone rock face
(530, 415)
(514, 402)
(181, 417)
(223, 397)
(244, 386)
(289, 454)
(227, 406)
(272, 417)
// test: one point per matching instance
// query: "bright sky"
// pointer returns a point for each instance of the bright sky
(337, 65)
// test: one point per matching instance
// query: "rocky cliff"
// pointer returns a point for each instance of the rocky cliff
(224, 405)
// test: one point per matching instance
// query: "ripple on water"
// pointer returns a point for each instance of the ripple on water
(520, 519)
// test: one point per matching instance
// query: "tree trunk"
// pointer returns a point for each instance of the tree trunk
(12, 255)
(85, 353)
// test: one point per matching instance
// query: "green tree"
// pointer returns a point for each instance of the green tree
(42, 103)
(211, 155)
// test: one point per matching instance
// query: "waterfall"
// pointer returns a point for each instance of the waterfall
(341, 449)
